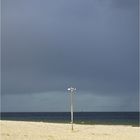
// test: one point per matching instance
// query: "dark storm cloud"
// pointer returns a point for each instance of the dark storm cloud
(49, 45)
(125, 3)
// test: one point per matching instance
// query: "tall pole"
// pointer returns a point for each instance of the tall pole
(71, 95)
(72, 91)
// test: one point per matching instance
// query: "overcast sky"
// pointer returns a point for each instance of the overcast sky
(49, 45)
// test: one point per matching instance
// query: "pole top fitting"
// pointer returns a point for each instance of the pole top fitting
(72, 90)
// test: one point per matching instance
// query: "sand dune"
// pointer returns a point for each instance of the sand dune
(18, 130)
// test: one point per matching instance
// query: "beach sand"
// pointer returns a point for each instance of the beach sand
(20, 130)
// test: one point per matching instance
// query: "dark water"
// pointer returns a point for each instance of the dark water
(115, 118)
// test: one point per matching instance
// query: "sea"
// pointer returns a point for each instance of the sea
(110, 118)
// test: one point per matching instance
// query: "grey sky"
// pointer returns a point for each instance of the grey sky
(49, 45)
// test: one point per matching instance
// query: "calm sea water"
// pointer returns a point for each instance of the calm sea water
(123, 118)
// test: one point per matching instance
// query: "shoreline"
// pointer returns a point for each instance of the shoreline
(81, 122)
(100, 118)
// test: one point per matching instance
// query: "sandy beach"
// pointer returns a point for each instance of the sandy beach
(20, 130)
